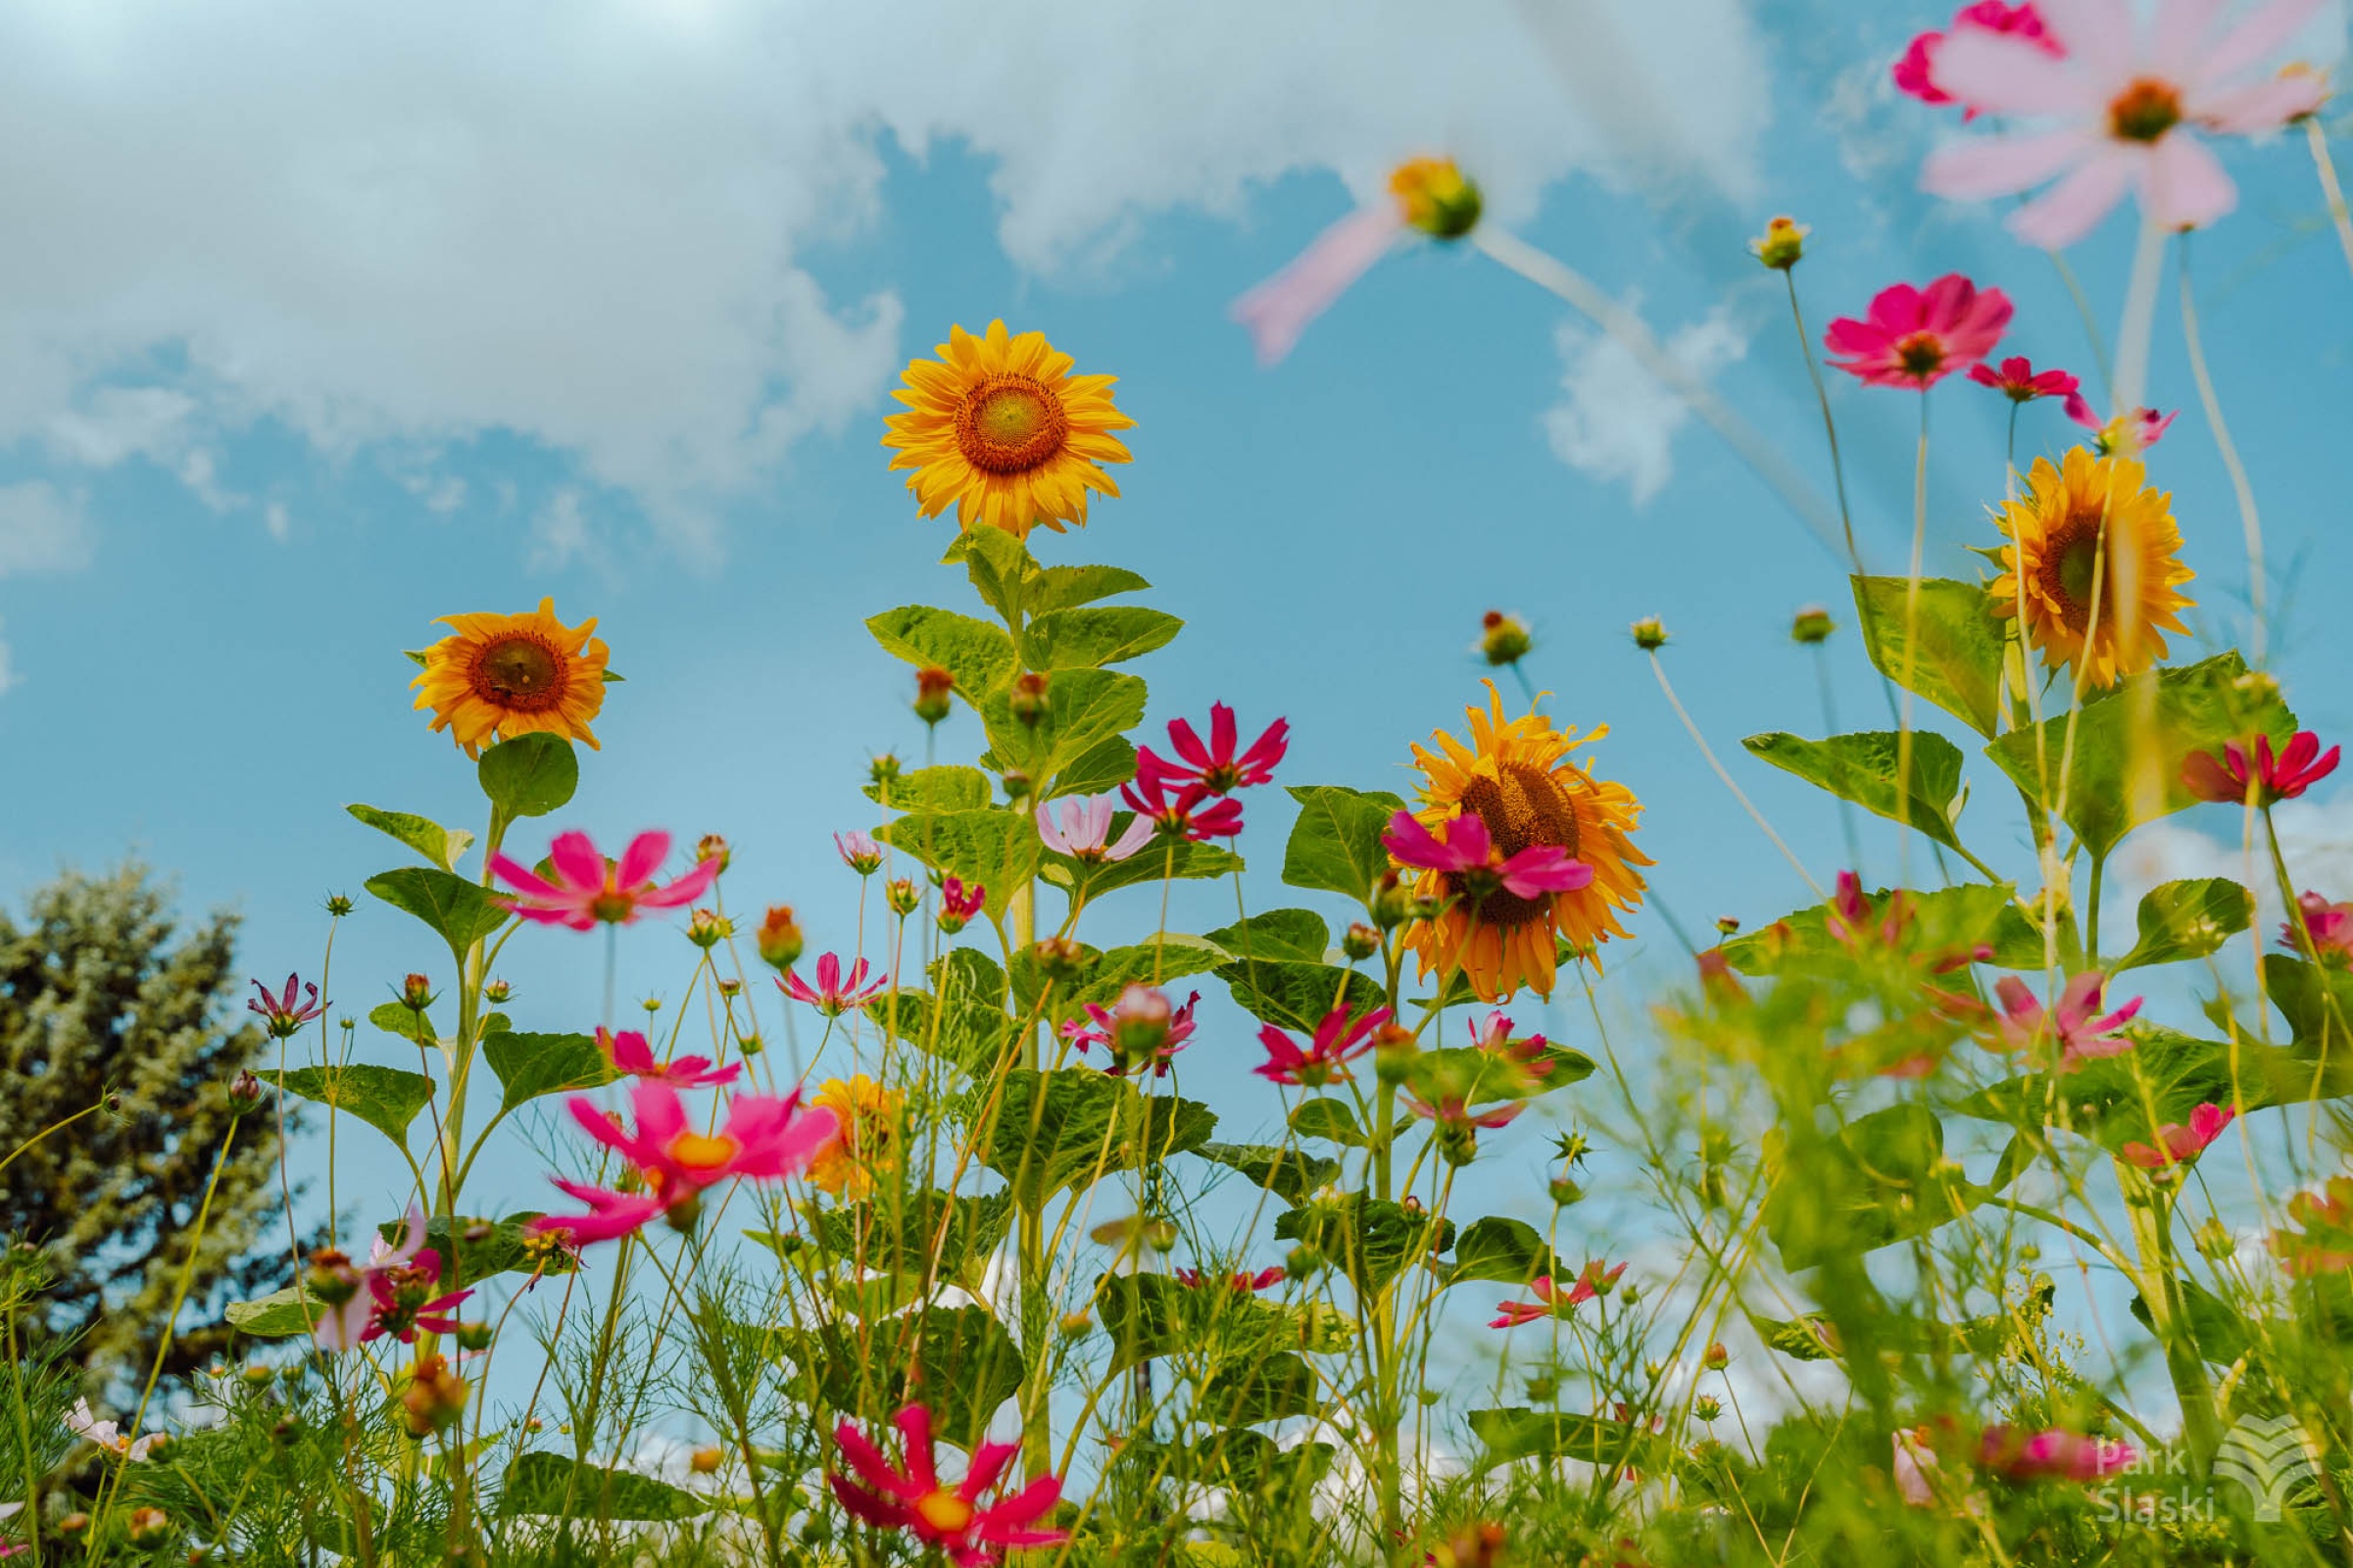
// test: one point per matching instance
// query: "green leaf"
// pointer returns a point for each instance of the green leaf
(2190, 919)
(1084, 708)
(978, 654)
(385, 1098)
(1175, 859)
(1812, 1338)
(945, 787)
(1336, 844)
(1862, 768)
(902, 1234)
(530, 775)
(1148, 964)
(2131, 743)
(1145, 1316)
(1955, 654)
(396, 1018)
(999, 568)
(1299, 933)
(1285, 1172)
(1370, 1238)
(1476, 1076)
(957, 1360)
(1882, 1178)
(2215, 1325)
(278, 1315)
(1954, 920)
(1273, 1387)
(1103, 767)
(1249, 1463)
(1296, 995)
(997, 849)
(1068, 1128)
(2317, 1003)
(459, 910)
(2108, 1098)
(972, 1029)
(1507, 1251)
(1523, 1434)
(1089, 639)
(1330, 1119)
(440, 846)
(530, 1066)
(1052, 588)
(544, 1483)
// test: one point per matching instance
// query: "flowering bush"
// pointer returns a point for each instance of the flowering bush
(957, 1196)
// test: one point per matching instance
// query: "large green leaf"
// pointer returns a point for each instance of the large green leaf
(458, 909)
(1052, 588)
(1163, 858)
(1288, 1173)
(1296, 995)
(2316, 1002)
(997, 849)
(2109, 1099)
(1332, 1119)
(1297, 934)
(2190, 919)
(385, 1098)
(1949, 637)
(904, 1233)
(1084, 708)
(1103, 767)
(2131, 743)
(2215, 1325)
(1147, 1316)
(1862, 768)
(978, 654)
(957, 1360)
(999, 565)
(1089, 639)
(947, 788)
(1068, 1128)
(1523, 1434)
(398, 1019)
(1273, 1387)
(278, 1315)
(1945, 920)
(1336, 844)
(530, 1065)
(544, 1483)
(964, 1023)
(1148, 964)
(530, 775)
(1882, 1178)
(1500, 1249)
(440, 846)
(1371, 1239)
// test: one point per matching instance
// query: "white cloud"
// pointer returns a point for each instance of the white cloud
(41, 529)
(2315, 837)
(586, 225)
(1615, 421)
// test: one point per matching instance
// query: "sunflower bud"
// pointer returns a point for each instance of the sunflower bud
(1812, 626)
(932, 687)
(903, 896)
(1649, 634)
(780, 939)
(707, 1461)
(1059, 959)
(1503, 639)
(1359, 942)
(1392, 903)
(416, 993)
(244, 1092)
(1028, 698)
(1434, 197)
(1394, 1051)
(706, 929)
(434, 1398)
(498, 990)
(1781, 245)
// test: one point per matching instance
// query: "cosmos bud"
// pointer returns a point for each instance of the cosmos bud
(903, 896)
(1059, 959)
(244, 1092)
(1707, 1407)
(1812, 626)
(706, 929)
(707, 1461)
(1781, 245)
(338, 905)
(780, 940)
(498, 990)
(932, 687)
(1028, 698)
(1359, 942)
(1715, 1357)
(416, 993)
(711, 846)
(1503, 639)
(1649, 634)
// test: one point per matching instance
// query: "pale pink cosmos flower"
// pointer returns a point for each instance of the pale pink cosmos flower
(1911, 1462)
(1915, 337)
(1915, 71)
(2076, 1026)
(834, 993)
(589, 890)
(1467, 850)
(2126, 434)
(1078, 826)
(859, 852)
(1552, 1301)
(83, 1423)
(2178, 1144)
(2120, 110)
(1453, 1111)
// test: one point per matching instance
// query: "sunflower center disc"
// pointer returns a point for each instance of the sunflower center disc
(2145, 111)
(2070, 560)
(1522, 806)
(519, 672)
(1009, 424)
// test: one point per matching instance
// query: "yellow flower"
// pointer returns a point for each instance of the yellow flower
(501, 677)
(866, 1141)
(1434, 197)
(2054, 552)
(1000, 426)
(1516, 776)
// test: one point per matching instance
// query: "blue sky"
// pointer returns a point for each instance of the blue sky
(405, 336)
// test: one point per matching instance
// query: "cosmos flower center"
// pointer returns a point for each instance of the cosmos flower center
(2145, 111)
(945, 1511)
(697, 1152)
(519, 672)
(2069, 561)
(1920, 354)
(1523, 807)
(1010, 424)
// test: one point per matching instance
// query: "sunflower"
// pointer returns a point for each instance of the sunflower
(1000, 426)
(507, 675)
(866, 1141)
(2054, 553)
(1515, 775)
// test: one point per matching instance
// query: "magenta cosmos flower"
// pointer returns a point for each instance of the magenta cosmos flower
(1453, 1114)
(632, 1056)
(1916, 337)
(1469, 853)
(2329, 926)
(1496, 1038)
(1079, 826)
(1338, 1040)
(1915, 71)
(1215, 766)
(910, 1497)
(1184, 812)
(393, 1295)
(1140, 1028)
(2119, 109)
(2019, 383)
(765, 1137)
(959, 902)
(2178, 1144)
(833, 995)
(2124, 435)
(1552, 1301)
(2254, 770)
(1193, 1279)
(588, 889)
(282, 1016)
(2053, 1454)
(2076, 1026)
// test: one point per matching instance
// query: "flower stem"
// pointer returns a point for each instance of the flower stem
(1755, 815)
(2139, 322)
(2327, 166)
(2248, 520)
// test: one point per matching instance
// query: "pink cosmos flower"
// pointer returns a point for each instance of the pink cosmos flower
(1914, 337)
(610, 1215)
(2124, 435)
(1468, 852)
(2119, 108)
(1496, 1038)
(282, 1016)
(1915, 73)
(589, 888)
(952, 1519)
(1910, 1462)
(1453, 1112)
(766, 1138)
(2177, 1144)
(1082, 825)
(959, 902)
(1242, 1284)
(2053, 1454)
(1551, 1301)
(832, 994)
(1215, 766)
(83, 1423)
(1139, 1028)
(1338, 1040)
(859, 852)
(632, 1056)
(2075, 1025)
(1183, 812)
(2019, 383)
(390, 1295)
(2296, 767)
(2329, 926)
